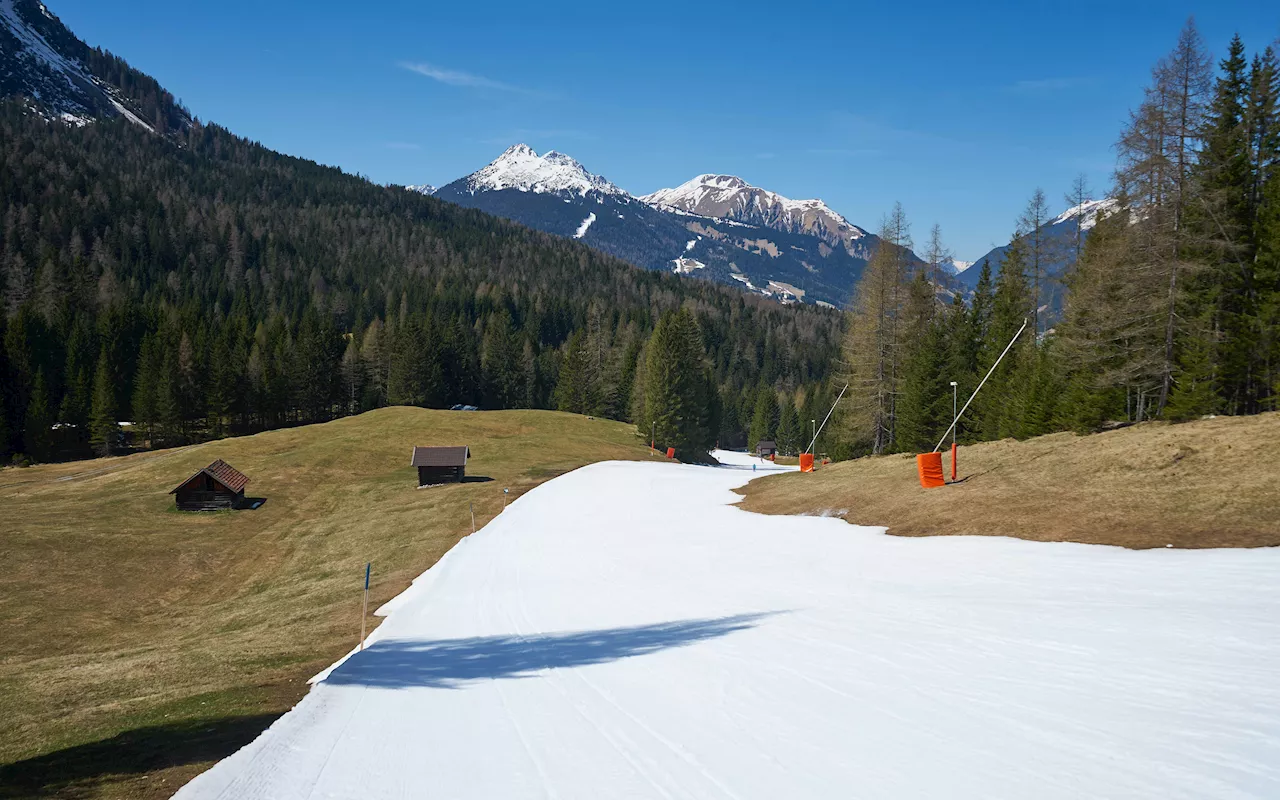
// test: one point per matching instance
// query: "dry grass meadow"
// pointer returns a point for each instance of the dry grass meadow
(141, 644)
(1210, 483)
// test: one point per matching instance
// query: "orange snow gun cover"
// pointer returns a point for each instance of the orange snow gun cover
(930, 467)
(806, 462)
(671, 452)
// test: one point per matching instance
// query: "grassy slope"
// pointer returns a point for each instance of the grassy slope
(1210, 483)
(142, 643)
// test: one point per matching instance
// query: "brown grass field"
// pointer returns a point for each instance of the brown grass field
(142, 644)
(1209, 483)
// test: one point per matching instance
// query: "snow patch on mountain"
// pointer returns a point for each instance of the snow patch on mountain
(586, 223)
(421, 188)
(554, 172)
(1087, 212)
(685, 266)
(126, 113)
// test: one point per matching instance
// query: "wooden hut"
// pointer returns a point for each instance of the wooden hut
(440, 464)
(217, 487)
(766, 448)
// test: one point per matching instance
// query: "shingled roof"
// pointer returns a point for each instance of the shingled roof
(440, 456)
(223, 473)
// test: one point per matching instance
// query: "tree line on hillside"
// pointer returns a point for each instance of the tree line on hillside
(200, 285)
(1173, 300)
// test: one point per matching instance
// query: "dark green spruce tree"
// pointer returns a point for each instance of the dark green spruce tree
(678, 403)
(764, 418)
(104, 428)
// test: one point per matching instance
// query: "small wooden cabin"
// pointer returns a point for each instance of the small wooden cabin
(217, 487)
(440, 464)
(766, 448)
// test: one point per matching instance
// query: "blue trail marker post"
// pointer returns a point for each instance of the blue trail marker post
(365, 612)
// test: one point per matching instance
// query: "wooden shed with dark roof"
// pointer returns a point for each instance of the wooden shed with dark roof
(217, 487)
(440, 464)
(766, 448)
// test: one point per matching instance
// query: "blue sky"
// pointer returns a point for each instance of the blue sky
(958, 110)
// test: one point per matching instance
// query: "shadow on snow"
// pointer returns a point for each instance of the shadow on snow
(451, 663)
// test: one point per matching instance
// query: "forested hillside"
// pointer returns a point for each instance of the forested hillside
(200, 285)
(1172, 308)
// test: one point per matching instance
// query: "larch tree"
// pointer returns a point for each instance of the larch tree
(1037, 250)
(1076, 200)
(871, 356)
(1157, 152)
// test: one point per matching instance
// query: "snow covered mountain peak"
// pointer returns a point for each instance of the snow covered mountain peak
(730, 197)
(519, 167)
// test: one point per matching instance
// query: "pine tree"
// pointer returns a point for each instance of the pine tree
(1225, 223)
(38, 421)
(144, 391)
(6, 415)
(572, 387)
(1267, 277)
(1036, 391)
(374, 358)
(504, 383)
(1195, 391)
(677, 402)
(925, 402)
(169, 404)
(1010, 308)
(223, 388)
(764, 419)
(353, 375)
(104, 430)
(789, 433)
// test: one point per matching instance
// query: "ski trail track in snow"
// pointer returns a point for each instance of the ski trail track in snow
(624, 631)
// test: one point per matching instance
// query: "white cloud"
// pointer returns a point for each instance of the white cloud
(456, 77)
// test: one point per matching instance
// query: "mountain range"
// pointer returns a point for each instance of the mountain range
(714, 226)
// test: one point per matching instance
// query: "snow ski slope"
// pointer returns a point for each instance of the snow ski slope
(624, 632)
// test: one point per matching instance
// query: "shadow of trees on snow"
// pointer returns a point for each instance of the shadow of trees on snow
(451, 663)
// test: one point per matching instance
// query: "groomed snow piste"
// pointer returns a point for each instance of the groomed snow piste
(623, 631)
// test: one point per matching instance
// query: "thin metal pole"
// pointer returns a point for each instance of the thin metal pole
(365, 611)
(828, 416)
(980, 385)
(813, 426)
(955, 417)
(473, 517)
